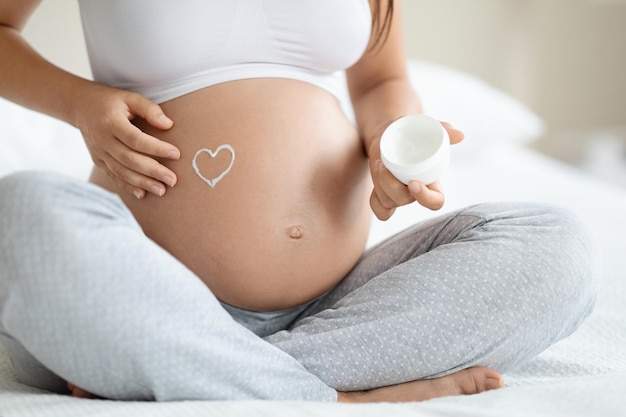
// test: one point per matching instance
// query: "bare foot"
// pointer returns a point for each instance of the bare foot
(80, 393)
(467, 381)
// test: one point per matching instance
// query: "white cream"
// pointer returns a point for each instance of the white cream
(212, 182)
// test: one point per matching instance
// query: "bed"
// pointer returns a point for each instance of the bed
(583, 375)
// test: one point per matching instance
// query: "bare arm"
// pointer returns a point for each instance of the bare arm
(102, 113)
(25, 77)
(381, 93)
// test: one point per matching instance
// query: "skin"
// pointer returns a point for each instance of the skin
(143, 152)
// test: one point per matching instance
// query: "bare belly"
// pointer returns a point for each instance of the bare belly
(282, 220)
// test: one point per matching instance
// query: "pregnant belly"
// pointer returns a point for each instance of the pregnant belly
(270, 209)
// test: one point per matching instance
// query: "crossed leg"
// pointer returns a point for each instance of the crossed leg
(415, 319)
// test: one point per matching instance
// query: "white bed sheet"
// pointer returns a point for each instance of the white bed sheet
(583, 375)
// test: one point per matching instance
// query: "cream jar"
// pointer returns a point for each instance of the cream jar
(415, 148)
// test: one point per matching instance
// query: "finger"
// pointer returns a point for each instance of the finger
(430, 196)
(391, 192)
(142, 164)
(455, 134)
(134, 138)
(137, 192)
(133, 181)
(381, 212)
(150, 111)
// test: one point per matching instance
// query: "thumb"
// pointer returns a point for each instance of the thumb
(455, 134)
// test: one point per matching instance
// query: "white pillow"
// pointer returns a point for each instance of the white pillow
(485, 114)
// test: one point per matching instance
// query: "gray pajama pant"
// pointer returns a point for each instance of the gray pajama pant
(86, 297)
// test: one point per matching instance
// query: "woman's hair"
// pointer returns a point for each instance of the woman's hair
(381, 24)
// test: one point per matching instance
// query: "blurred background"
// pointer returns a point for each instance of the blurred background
(564, 59)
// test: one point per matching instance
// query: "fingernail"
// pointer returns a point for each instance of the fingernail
(169, 180)
(165, 119)
(138, 194)
(173, 154)
(494, 383)
(414, 187)
(157, 190)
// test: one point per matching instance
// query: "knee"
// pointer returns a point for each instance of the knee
(580, 255)
(23, 201)
(26, 198)
(568, 260)
(16, 191)
(573, 244)
(32, 197)
(36, 203)
(25, 191)
(555, 253)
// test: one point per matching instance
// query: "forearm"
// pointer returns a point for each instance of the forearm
(379, 106)
(29, 80)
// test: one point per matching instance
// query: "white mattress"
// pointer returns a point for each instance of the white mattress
(583, 375)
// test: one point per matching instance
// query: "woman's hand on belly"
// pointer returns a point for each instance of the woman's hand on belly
(125, 153)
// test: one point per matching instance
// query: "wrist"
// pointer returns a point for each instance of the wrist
(71, 101)
(81, 95)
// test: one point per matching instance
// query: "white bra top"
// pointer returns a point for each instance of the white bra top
(164, 49)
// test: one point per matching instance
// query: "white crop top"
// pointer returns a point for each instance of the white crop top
(164, 49)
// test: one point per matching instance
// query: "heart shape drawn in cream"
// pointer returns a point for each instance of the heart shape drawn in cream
(213, 181)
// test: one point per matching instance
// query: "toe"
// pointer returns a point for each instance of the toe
(482, 379)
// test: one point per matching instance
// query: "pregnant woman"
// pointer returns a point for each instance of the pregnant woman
(218, 251)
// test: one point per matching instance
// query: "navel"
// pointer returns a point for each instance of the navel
(295, 232)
